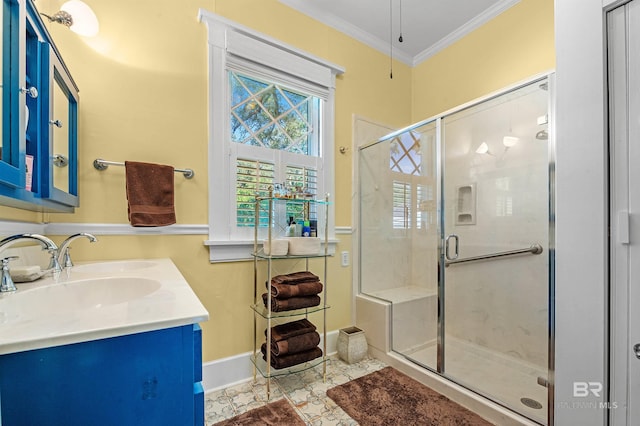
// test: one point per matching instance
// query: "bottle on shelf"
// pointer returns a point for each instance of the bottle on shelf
(291, 227)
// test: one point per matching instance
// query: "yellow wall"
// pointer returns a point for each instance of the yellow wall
(516, 45)
(143, 96)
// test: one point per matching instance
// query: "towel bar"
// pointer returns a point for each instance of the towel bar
(534, 249)
(101, 164)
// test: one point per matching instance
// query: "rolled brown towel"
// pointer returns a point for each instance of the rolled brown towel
(290, 360)
(295, 278)
(284, 291)
(296, 344)
(279, 305)
(290, 329)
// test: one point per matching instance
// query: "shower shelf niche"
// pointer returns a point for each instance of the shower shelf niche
(466, 207)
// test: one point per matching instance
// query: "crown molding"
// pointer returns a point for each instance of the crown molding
(337, 23)
(308, 8)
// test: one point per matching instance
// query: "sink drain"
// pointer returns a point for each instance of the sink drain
(531, 403)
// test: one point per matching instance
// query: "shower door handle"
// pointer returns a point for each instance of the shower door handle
(446, 247)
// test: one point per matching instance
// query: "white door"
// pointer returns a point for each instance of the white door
(624, 146)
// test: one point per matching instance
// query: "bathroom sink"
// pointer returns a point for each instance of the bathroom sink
(81, 295)
(94, 301)
(114, 266)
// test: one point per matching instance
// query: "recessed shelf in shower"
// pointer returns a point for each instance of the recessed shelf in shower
(466, 207)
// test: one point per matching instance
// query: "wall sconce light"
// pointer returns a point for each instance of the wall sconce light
(483, 149)
(78, 16)
(507, 141)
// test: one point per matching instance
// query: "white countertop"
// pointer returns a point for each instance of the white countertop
(97, 300)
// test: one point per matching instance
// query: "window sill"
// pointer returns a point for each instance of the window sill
(240, 250)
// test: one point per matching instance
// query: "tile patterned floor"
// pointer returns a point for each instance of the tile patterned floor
(305, 391)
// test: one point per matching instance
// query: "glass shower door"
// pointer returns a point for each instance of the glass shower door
(399, 237)
(495, 257)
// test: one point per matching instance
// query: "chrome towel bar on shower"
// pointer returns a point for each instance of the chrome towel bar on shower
(534, 249)
(101, 164)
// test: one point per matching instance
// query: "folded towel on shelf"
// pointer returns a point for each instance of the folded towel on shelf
(150, 194)
(295, 344)
(290, 329)
(290, 360)
(284, 291)
(295, 278)
(279, 305)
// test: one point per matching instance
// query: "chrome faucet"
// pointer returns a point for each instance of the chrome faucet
(6, 283)
(64, 258)
(48, 244)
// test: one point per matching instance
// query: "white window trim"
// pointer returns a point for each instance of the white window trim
(231, 45)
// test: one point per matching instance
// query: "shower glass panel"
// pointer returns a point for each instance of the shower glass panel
(455, 234)
(496, 200)
(399, 238)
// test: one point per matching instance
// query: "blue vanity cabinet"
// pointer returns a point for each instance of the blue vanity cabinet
(12, 147)
(39, 122)
(151, 378)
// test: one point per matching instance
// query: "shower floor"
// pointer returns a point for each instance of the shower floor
(502, 378)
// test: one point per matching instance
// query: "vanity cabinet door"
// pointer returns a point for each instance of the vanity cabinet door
(59, 135)
(12, 147)
(35, 76)
(138, 379)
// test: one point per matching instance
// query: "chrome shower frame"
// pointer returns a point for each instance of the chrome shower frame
(442, 263)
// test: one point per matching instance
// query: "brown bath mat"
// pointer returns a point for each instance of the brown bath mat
(389, 397)
(278, 413)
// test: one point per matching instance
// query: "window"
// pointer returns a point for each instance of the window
(401, 205)
(268, 115)
(252, 178)
(413, 190)
(271, 125)
(405, 154)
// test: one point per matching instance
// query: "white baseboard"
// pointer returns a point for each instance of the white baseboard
(225, 372)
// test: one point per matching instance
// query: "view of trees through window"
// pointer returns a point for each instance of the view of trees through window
(270, 116)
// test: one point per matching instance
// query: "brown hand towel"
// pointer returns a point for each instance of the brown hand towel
(150, 194)
(290, 329)
(284, 291)
(290, 360)
(295, 278)
(296, 344)
(279, 305)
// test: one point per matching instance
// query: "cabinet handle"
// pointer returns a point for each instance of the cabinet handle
(31, 91)
(56, 123)
(60, 160)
